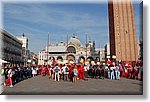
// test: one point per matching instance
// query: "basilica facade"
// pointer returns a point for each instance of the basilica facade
(74, 51)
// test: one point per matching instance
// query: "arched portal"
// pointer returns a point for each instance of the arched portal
(71, 57)
(59, 58)
(90, 58)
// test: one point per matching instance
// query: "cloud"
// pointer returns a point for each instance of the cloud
(45, 15)
(37, 19)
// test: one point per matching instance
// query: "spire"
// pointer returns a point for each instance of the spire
(74, 35)
(23, 35)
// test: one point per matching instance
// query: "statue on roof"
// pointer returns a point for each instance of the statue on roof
(74, 35)
(23, 35)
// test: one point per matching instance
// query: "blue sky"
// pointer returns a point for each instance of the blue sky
(37, 19)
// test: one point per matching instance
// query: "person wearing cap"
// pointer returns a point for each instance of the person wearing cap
(75, 74)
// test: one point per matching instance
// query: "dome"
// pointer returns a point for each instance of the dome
(74, 39)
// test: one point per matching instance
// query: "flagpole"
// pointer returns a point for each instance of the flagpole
(86, 46)
(67, 46)
(48, 47)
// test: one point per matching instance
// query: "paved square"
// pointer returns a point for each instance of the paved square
(42, 85)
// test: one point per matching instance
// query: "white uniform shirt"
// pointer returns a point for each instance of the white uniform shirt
(86, 68)
(106, 67)
(64, 70)
(111, 68)
(33, 71)
(10, 72)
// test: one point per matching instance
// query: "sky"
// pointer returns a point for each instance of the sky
(35, 20)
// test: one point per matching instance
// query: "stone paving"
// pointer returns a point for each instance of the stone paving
(42, 85)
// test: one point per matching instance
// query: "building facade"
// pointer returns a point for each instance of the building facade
(122, 31)
(25, 50)
(33, 59)
(73, 51)
(102, 55)
(11, 48)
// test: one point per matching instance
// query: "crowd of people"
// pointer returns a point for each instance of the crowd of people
(14, 74)
(73, 72)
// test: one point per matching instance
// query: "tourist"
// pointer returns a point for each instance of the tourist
(98, 72)
(9, 80)
(75, 74)
(112, 67)
(60, 74)
(86, 68)
(49, 71)
(65, 71)
(79, 71)
(141, 73)
(117, 72)
(16, 75)
(136, 68)
(90, 70)
(34, 71)
(109, 72)
(94, 70)
(82, 71)
(121, 69)
(43, 70)
(52, 72)
(57, 72)
(6, 69)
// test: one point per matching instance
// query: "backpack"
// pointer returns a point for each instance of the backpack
(57, 70)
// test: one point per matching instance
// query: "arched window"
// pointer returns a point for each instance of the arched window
(71, 49)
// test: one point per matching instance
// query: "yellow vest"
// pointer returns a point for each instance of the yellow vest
(2, 72)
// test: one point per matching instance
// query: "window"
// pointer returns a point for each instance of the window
(71, 49)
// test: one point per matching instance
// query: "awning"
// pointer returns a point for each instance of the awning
(2, 61)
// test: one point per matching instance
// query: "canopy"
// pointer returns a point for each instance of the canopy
(2, 61)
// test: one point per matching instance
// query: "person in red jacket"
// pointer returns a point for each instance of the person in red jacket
(79, 72)
(70, 71)
(82, 71)
(49, 71)
(43, 70)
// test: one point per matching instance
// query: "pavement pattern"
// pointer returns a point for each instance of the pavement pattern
(42, 85)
